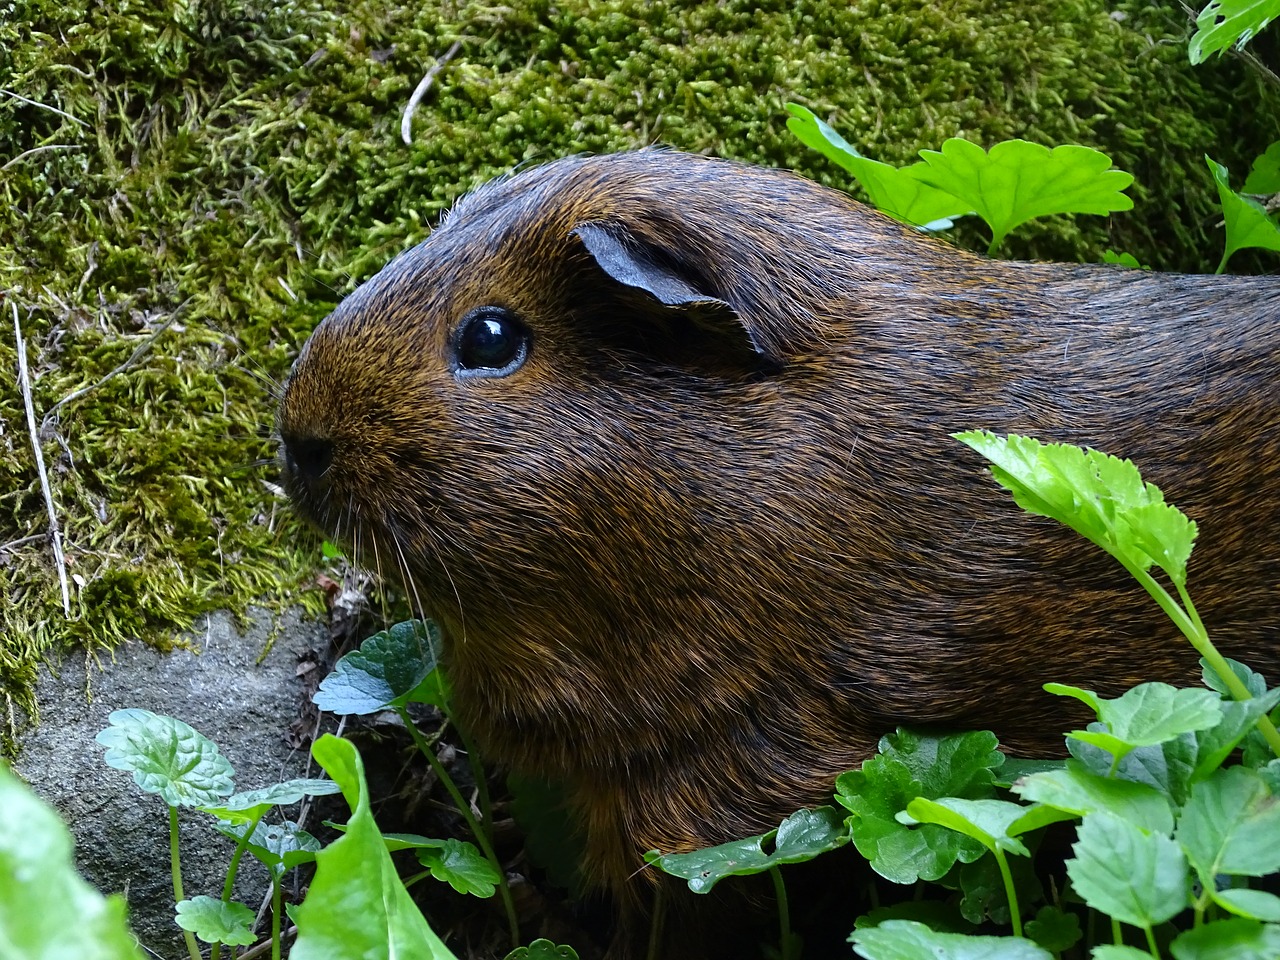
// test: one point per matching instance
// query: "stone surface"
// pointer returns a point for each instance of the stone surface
(220, 689)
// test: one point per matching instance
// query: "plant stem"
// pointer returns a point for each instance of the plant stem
(1116, 935)
(784, 911)
(229, 885)
(277, 907)
(1151, 941)
(1193, 629)
(1015, 915)
(464, 808)
(175, 867)
(655, 922)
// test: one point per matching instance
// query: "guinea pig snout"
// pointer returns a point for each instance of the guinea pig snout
(308, 459)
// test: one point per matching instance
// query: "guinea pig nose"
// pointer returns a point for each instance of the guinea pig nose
(308, 457)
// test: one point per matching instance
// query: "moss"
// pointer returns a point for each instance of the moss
(238, 163)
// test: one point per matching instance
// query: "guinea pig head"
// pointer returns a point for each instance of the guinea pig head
(534, 419)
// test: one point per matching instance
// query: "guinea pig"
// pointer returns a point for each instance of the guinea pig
(663, 444)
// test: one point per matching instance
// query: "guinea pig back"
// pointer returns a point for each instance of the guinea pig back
(662, 443)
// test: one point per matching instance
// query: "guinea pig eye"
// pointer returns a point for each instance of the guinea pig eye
(490, 342)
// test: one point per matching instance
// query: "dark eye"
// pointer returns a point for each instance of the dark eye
(490, 342)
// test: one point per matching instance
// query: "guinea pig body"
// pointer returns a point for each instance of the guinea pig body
(662, 443)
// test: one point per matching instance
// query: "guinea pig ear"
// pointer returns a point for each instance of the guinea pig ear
(632, 262)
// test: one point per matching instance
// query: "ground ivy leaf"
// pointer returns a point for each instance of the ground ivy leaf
(1080, 792)
(987, 821)
(1111, 951)
(910, 765)
(167, 757)
(279, 847)
(1253, 681)
(462, 866)
(1137, 877)
(983, 894)
(1247, 222)
(393, 667)
(1264, 175)
(1167, 766)
(1254, 904)
(216, 922)
(1234, 939)
(1229, 23)
(46, 911)
(1054, 929)
(357, 906)
(1018, 181)
(890, 190)
(252, 804)
(802, 836)
(907, 940)
(1231, 825)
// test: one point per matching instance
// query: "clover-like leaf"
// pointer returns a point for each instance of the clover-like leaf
(910, 765)
(542, 950)
(1233, 939)
(908, 940)
(1123, 260)
(250, 805)
(1231, 825)
(167, 757)
(1247, 222)
(1223, 24)
(1077, 790)
(890, 189)
(1018, 181)
(391, 668)
(1100, 497)
(1145, 715)
(357, 906)
(987, 821)
(1054, 929)
(462, 866)
(802, 836)
(1122, 870)
(47, 912)
(216, 922)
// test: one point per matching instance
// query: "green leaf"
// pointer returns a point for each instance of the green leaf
(1223, 24)
(1146, 715)
(1254, 904)
(934, 914)
(1228, 940)
(1253, 681)
(1019, 181)
(1247, 222)
(542, 950)
(1264, 175)
(910, 765)
(357, 906)
(1239, 719)
(802, 836)
(459, 864)
(252, 804)
(167, 757)
(1231, 825)
(46, 911)
(987, 821)
(907, 940)
(1101, 497)
(391, 668)
(1015, 768)
(1080, 792)
(983, 893)
(1111, 951)
(1123, 260)
(1137, 877)
(279, 847)
(892, 191)
(1054, 929)
(1167, 766)
(216, 922)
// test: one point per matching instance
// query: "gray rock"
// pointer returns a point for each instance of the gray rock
(122, 835)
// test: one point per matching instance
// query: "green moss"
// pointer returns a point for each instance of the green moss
(239, 161)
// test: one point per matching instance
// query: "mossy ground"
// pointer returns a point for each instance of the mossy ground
(238, 164)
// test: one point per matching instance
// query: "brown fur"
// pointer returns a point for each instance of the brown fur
(695, 560)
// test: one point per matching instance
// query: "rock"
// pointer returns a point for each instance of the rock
(247, 708)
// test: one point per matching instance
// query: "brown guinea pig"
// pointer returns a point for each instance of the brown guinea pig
(663, 444)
